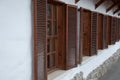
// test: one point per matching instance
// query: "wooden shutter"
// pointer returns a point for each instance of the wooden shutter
(100, 31)
(109, 29)
(116, 29)
(40, 24)
(71, 36)
(94, 33)
(81, 33)
(86, 32)
(105, 32)
(119, 28)
(113, 31)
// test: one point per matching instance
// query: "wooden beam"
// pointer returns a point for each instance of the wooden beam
(116, 10)
(108, 9)
(119, 14)
(112, 6)
(99, 3)
(77, 1)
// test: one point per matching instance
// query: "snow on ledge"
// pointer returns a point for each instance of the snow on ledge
(87, 70)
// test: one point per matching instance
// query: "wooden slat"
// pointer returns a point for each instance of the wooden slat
(94, 34)
(118, 14)
(71, 37)
(81, 33)
(105, 45)
(116, 10)
(99, 3)
(40, 24)
(112, 6)
(77, 1)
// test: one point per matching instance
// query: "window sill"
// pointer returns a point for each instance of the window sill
(59, 74)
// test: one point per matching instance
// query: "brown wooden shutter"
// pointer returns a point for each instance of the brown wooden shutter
(100, 31)
(81, 33)
(113, 31)
(109, 29)
(86, 32)
(40, 24)
(116, 29)
(105, 32)
(119, 28)
(114, 40)
(94, 33)
(71, 37)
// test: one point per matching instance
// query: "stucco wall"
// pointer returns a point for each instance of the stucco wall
(16, 36)
(15, 39)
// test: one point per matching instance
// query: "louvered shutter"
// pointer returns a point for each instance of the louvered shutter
(105, 32)
(71, 37)
(40, 39)
(113, 31)
(94, 33)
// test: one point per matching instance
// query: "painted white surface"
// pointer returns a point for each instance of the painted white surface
(15, 40)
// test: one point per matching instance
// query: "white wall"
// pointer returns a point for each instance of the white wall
(16, 36)
(15, 40)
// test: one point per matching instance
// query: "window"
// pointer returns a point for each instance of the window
(88, 32)
(55, 37)
(51, 36)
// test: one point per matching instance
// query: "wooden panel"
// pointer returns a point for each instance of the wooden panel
(81, 33)
(116, 30)
(86, 17)
(40, 39)
(115, 36)
(71, 37)
(100, 31)
(109, 30)
(113, 31)
(77, 1)
(61, 36)
(119, 28)
(105, 31)
(94, 33)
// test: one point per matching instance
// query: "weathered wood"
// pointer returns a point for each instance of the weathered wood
(116, 10)
(99, 3)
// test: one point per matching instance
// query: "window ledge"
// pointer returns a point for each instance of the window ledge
(88, 65)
